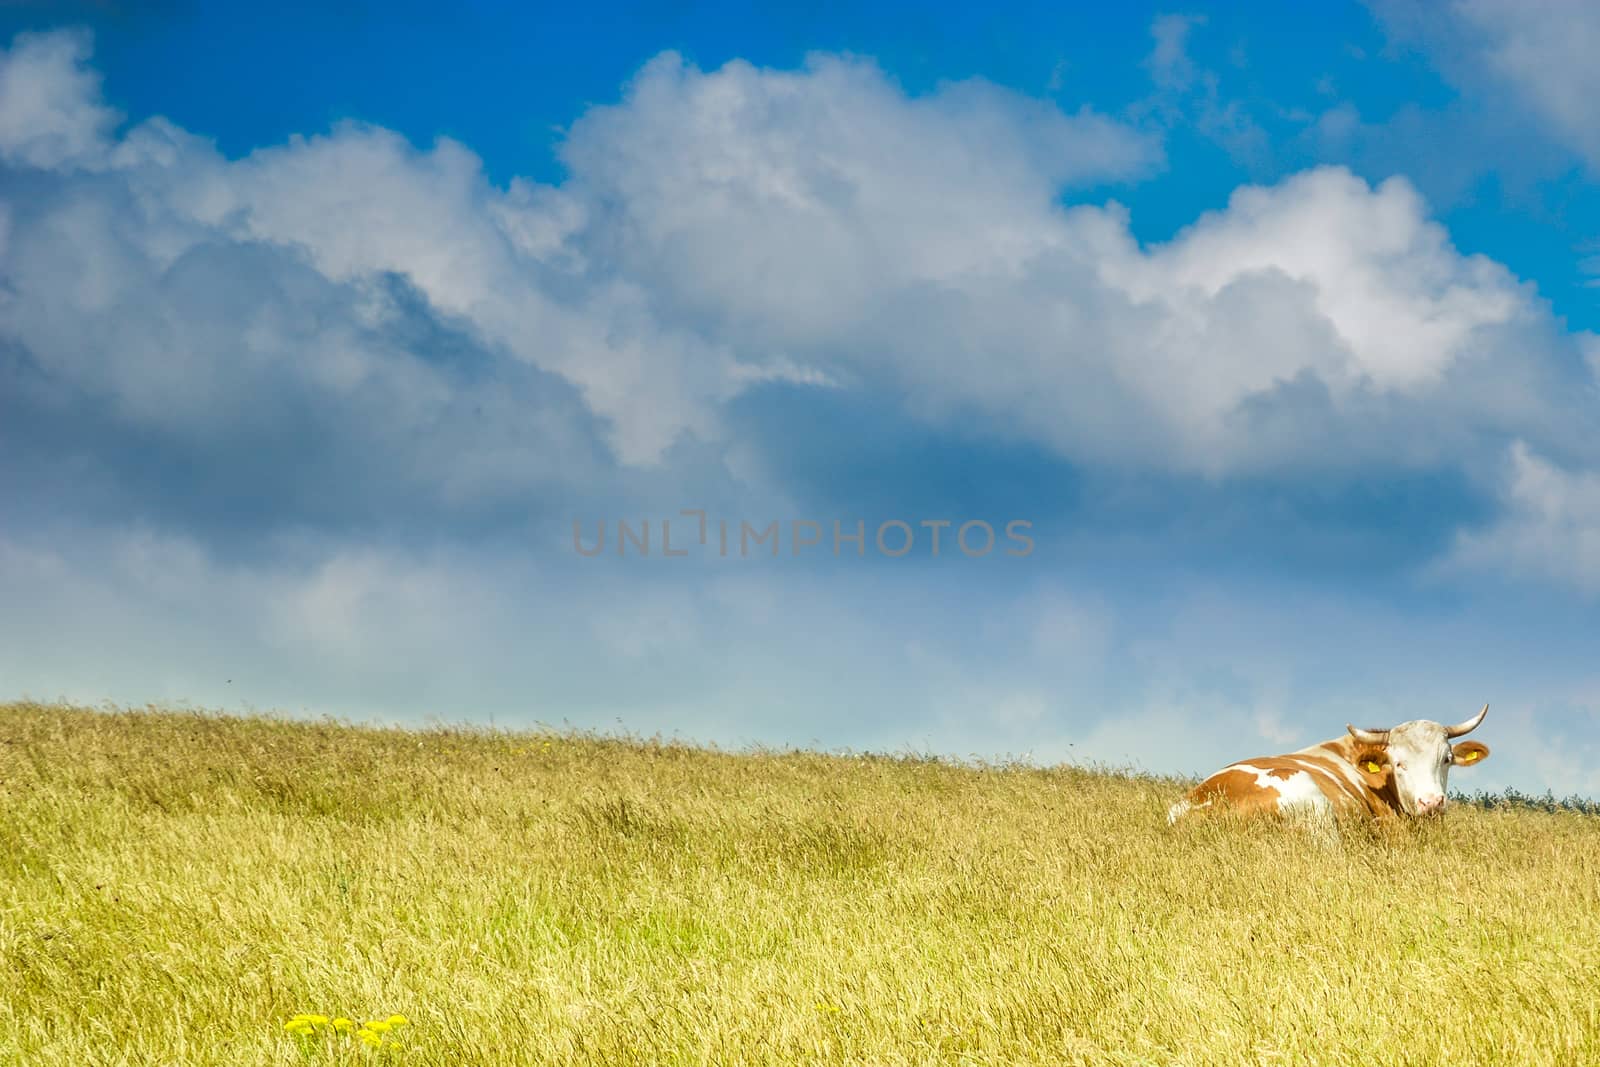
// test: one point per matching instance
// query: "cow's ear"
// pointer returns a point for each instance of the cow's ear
(1373, 763)
(1468, 753)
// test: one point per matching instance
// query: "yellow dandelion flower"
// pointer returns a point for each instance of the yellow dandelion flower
(378, 1025)
(398, 1020)
(369, 1038)
(343, 1025)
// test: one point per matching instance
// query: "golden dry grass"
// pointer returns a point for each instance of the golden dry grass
(175, 886)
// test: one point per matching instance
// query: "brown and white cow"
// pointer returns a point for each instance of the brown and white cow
(1399, 771)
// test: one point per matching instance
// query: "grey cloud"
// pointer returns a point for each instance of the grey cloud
(1543, 53)
(50, 110)
(365, 327)
(1548, 530)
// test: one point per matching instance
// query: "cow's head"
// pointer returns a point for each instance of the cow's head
(1416, 757)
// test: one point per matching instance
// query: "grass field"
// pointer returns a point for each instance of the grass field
(175, 887)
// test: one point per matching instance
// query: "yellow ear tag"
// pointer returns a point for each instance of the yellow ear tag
(1373, 766)
(1470, 757)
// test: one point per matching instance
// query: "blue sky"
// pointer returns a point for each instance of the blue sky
(319, 330)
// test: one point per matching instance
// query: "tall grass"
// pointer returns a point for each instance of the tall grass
(174, 887)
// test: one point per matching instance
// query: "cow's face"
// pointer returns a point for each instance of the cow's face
(1420, 757)
(1416, 757)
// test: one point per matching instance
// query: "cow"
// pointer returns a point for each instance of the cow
(1400, 771)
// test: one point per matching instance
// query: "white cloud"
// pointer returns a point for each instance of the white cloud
(1401, 303)
(779, 208)
(1548, 531)
(952, 276)
(773, 164)
(898, 254)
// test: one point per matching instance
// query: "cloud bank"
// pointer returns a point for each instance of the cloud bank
(318, 416)
(721, 230)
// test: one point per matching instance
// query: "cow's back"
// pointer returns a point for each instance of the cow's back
(1310, 781)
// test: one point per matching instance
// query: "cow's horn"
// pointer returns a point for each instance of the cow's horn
(1368, 737)
(1466, 727)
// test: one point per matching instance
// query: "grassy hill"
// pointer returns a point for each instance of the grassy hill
(175, 887)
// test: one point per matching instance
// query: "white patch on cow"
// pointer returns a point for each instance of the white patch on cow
(1182, 808)
(1301, 801)
(1298, 791)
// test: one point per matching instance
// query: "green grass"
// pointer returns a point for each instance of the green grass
(174, 887)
